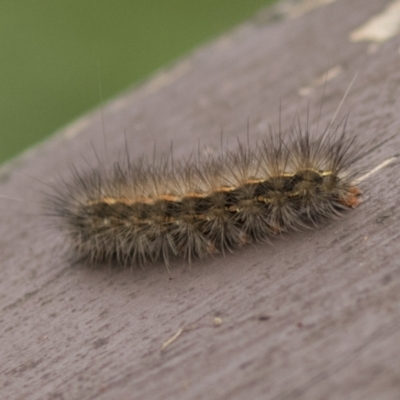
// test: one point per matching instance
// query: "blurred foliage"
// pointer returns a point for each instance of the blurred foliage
(53, 52)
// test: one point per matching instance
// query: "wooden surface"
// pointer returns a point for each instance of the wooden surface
(315, 315)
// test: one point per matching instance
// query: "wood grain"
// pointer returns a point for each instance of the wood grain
(315, 315)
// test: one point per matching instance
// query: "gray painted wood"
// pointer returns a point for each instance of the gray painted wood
(315, 315)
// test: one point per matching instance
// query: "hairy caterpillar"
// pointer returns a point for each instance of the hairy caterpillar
(143, 211)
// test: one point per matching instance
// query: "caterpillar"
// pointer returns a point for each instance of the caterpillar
(148, 210)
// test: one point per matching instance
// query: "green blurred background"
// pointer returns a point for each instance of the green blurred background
(53, 51)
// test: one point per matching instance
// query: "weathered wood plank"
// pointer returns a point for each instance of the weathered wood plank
(314, 316)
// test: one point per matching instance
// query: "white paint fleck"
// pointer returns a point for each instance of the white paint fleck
(296, 10)
(325, 77)
(381, 27)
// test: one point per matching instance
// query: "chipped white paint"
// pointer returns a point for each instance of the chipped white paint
(381, 27)
(325, 77)
(77, 127)
(165, 78)
(296, 10)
